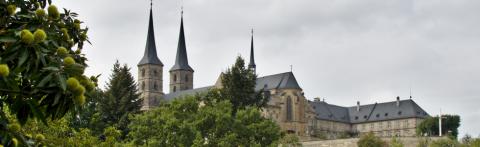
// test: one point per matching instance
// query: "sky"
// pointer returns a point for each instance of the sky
(341, 50)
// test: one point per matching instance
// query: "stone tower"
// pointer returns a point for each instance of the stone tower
(150, 72)
(252, 65)
(181, 74)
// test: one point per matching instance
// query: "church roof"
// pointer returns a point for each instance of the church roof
(181, 60)
(368, 113)
(150, 55)
(278, 81)
(252, 56)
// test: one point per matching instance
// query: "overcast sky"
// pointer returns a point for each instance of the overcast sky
(341, 50)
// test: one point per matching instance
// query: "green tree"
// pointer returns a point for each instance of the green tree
(121, 99)
(39, 51)
(370, 140)
(290, 140)
(187, 122)
(238, 86)
(450, 124)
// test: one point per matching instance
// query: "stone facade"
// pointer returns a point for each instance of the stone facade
(398, 127)
(181, 80)
(150, 84)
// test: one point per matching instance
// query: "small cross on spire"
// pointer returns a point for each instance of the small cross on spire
(151, 3)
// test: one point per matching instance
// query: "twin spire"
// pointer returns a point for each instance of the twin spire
(181, 60)
(150, 55)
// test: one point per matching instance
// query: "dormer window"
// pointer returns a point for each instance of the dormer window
(399, 112)
(386, 114)
(378, 115)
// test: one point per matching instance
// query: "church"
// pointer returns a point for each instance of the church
(287, 106)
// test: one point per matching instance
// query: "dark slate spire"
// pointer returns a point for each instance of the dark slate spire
(181, 60)
(150, 55)
(252, 56)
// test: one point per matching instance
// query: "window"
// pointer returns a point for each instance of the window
(389, 124)
(186, 78)
(289, 109)
(356, 117)
(155, 86)
(371, 126)
(174, 88)
(154, 72)
(399, 112)
(174, 79)
(143, 72)
(405, 123)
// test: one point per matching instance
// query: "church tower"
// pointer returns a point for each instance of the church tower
(150, 71)
(252, 65)
(181, 74)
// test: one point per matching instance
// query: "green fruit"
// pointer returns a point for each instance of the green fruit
(40, 13)
(76, 26)
(39, 137)
(72, 83)
(53, 12)
(83, 36)
(13, 127)
(39, 35)
(62, 51)
(68, 61)
(80, 90)
(15, 142)
(11, 9)
(80, 100)
(4, 70)
(27, 36)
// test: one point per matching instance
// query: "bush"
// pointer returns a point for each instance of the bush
(444, 143)
(395, 142)
(370, 140)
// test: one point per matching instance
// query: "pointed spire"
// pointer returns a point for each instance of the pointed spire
(252, 56)
(181, 60)
(150, 55)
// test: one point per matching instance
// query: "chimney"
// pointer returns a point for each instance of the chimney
(323, 99)
(317, 99)
(358, 105)
(398, 101)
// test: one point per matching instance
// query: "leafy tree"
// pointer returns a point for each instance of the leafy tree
(121, 99)
(450, 124)
(39, 51)
(186, 122)
(290, 140)
(238, 86)
(370, 140)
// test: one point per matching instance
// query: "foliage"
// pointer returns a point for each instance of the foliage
(423, 142)
(120, 100)
(238, 86)
(395, 142)
(290, 140)
(370, 140)
(32, 74)
(186, 122)
(430, 126)
(444, 143)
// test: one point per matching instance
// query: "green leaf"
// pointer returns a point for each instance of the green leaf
(51, 68)
(23, 57)
(45, 80)
(61, 79)
(7, 39)
(34, 108)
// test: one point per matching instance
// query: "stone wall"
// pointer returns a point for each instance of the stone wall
(352, 142)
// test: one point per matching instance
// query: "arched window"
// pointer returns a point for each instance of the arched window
(186, 78)
(175, 78)
(289, 109)
(174, 88)
(155, 86)
(143, 72)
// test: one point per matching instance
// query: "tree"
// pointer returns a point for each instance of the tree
(186, 122)
(238, 86)
(450, 124)
(370, 140)
(121, 99)
(34, 67)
